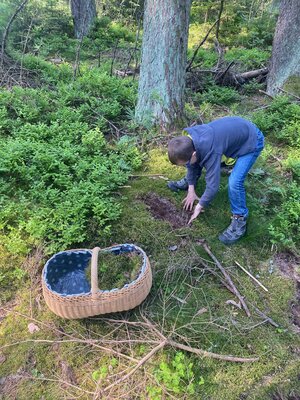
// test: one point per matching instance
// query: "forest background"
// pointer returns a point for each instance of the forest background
(79, 165)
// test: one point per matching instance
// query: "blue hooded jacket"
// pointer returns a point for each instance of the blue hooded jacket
(231, 136)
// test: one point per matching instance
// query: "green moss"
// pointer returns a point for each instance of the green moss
(114, 271)
(292, 85)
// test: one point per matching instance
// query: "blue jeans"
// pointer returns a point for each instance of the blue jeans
(236, 188)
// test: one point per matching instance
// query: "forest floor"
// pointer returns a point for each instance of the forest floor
(43, 356)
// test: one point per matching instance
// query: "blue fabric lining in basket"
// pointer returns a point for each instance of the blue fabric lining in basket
(64, 273)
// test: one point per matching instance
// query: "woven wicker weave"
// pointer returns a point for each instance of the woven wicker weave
(93, 301)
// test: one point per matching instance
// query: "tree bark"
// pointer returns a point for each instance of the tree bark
(285, 60)
(162, 75)
(219, 19)
(84, 13)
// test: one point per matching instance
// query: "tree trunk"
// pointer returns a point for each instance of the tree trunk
(162, 75)
(219, 19)
(84, 13)
(285, 61)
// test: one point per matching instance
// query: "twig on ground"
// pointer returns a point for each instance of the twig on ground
(251, 276)
(289, 94)
(139, 364)
(266, 94)
(204, 353)
(227, 277)
(270, 320)
(84, 341)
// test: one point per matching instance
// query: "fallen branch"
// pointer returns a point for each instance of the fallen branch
(270, 320)
(251, 276)
(204, 353)
(252, 74)
(266, 94)
(220, 77)
(227, 277)
(289, 94)
(139, 364)
(84, 341)
(199, 45)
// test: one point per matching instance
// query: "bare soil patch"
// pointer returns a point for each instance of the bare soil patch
(287, 264)
(163, 209)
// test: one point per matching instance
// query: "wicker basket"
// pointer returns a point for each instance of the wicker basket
(79, 298)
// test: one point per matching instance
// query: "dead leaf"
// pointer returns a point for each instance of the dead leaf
(173, 248)
(2, 358)
(68, 373)
(33, 328)
(201, 311)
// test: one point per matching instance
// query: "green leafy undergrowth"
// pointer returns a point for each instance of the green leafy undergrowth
(281, 124)
(285, 228)
(215, 94)
(247, 58)
(57, 170)
(177, 375)
(281, 120)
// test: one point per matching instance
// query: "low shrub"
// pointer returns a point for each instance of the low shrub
(206, 58)
(281, 120)
(218, 95)
(57, 170)
(247, 58)
(285, 228)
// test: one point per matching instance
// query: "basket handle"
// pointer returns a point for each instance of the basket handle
(94, 272)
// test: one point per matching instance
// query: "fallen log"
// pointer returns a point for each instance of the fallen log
(252, 74)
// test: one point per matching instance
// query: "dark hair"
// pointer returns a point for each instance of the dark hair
(180, 148)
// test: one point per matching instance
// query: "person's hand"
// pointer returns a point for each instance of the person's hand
(198, 209)
(188, 201)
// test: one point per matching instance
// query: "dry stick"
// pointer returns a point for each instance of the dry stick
(251, 276)
(266, 317)
(140, 363)
(58, 381)
(145, 175)
(270, 320)
(172, 343)
(220, 52)
(204, 353)
(222, 75)
(200, 352)
(84, 341)
(199, 45)
(203, 243)
(168, 341)
(290, 94)
(266, 94)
